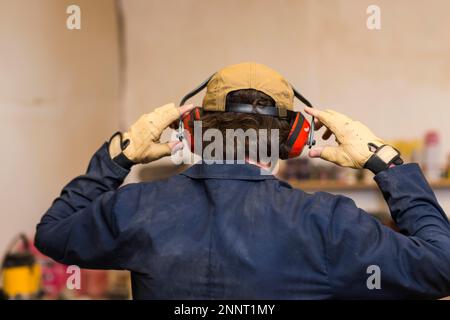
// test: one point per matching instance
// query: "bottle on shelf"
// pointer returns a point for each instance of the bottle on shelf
(431, 157)
(447, 168)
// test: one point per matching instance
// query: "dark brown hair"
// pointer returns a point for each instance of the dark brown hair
(232, 120)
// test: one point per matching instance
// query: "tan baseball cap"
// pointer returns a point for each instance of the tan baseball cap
(248, 75)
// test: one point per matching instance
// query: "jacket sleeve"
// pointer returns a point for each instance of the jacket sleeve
(414, 263)
(90, 223)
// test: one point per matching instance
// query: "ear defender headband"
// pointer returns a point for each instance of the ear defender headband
(301, 131)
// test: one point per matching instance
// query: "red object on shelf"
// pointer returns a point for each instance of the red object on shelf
(431, 165)
(54, 276)
(431, 138)
(94, 284)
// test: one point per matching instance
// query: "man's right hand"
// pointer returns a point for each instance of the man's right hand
(140, 143)
(357, 146)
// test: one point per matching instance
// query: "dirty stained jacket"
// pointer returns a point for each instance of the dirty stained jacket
(230, 232)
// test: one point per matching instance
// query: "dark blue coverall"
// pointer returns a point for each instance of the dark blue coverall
(228, 232)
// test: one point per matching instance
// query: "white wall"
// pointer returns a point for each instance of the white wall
(58, 101)
(395, 80)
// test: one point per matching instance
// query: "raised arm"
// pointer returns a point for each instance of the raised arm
(412, 264)
(91, 223)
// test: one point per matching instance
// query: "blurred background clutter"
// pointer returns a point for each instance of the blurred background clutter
(65, 92)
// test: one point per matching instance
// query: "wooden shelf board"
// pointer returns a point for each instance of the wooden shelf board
(324, 185)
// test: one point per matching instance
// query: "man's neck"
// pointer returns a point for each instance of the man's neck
(264, 166)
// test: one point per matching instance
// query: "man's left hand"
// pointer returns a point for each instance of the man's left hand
(140, 144)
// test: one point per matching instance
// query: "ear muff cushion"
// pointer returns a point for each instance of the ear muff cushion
(188, 122)
(298, 135)
(198, 113)
(189, 132)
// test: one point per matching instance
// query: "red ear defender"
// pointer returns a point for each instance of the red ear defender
(298, 135)
(188, 122)
(301, 131)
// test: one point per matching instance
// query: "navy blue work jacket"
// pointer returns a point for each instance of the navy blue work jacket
(228, 232)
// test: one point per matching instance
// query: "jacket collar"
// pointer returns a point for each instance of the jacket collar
(227, 171)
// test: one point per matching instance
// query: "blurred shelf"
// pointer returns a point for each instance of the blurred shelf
(330, 186)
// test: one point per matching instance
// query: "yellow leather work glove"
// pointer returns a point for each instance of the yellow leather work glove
(357, 146)
(140, 144)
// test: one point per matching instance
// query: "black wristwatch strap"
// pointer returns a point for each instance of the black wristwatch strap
(382, 158)
(121, 159)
